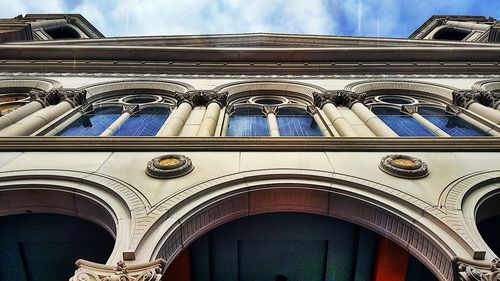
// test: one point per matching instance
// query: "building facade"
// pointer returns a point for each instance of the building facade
(249, 156)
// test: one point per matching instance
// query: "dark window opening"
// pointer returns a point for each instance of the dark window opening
(63, 32)
(453, 34)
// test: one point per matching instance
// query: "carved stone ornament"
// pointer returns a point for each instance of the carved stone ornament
(465, 98)
(270, 109)
(44, 97)
(194, 98)
(219, 98)
(89, 271)
(467, 272)
(169, 166)
(404, 166)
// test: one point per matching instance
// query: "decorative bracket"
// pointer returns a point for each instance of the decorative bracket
(89, 271)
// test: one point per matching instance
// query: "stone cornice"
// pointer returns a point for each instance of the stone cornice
(172, 144)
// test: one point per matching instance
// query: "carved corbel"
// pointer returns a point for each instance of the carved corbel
(270, 109)
(194, 98)
(89, 271)
(465, 98)
(473, 271)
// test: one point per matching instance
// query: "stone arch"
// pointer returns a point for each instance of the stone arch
(487, 85)
(33, 83)
(299, 89)
(97, 198)
(97, 91)
(348, 198)
(461, 201)
(437, 91)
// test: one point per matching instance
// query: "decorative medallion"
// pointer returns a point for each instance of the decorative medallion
(404, 166)
(169, 166)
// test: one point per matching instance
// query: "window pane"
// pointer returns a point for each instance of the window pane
(295, 122)
(147, 122)
(451, 124)
(248, 122)
(92, 124)
(404, 125)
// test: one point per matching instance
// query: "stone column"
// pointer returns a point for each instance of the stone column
(355, 102)
(82, 111)
(271, 112)
(327, 103)
(426, 123)
(90, 271)
(185, 103)
(37, 102)
(313, 110)
(227, 115)
(473, 101)
(127, 111)
(59, 102)
(209, 123)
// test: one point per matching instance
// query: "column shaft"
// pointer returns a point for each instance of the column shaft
(372, 121)
(225, 125)
(435, 129)
(18, 114)
(321, 125)
(115, 125)
(209, 122)
(174, 125)
(273, 125)
(338, 120)
(64, 124)
(37, 120)
(487, 112)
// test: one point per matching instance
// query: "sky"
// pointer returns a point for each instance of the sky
(374, 18)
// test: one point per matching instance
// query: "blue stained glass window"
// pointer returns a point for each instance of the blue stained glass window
(248, 122)
(404, 125)
(147, 122)
(296, 122)
(92, 124)
(451, 124)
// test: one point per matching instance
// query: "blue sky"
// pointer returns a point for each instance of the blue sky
(376, 18)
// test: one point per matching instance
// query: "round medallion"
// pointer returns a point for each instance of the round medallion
(169, 166)
(404, 166)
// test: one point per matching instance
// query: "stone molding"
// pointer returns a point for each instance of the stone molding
(41, 84)
(442, 92)
(89, 271)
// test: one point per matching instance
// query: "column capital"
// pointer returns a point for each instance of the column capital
(89, 271)
(219, 98)
(311, 109)
(44, 97)
(270, 109)
(130, 109)
(464, 98)
(86, 108)
(74, 97)
(320, 99)
(474, 271)
(410, 109)
(194, 98)
(349, 98)
(491, 99)
(453, 109)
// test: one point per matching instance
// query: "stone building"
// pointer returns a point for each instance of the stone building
(249, 156)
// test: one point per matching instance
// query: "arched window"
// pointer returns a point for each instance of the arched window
(296, 122)
(147, 115)
(412, 115)
(248, 122)
(63, 32)
(94, 123)
(12, 98)
(403, 124)
(451, 124)
(450, 33)
(146, 122)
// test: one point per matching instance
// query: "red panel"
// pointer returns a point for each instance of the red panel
(179, 269)
(392, 261)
